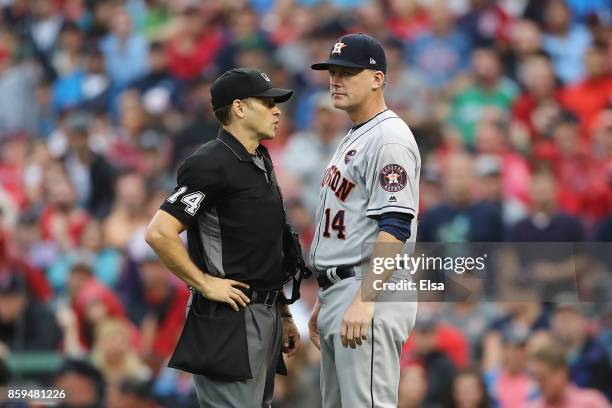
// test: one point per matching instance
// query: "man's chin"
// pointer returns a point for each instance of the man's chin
(267, 136)
(339, 104)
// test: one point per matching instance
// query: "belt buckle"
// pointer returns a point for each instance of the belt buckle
(270, 300)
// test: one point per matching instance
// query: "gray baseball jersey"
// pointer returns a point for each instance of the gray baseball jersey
(375, 170)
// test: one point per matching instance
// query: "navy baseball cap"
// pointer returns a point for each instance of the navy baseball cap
(356, 51)
(242, 83)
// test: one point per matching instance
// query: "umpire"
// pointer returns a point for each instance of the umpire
(228, 201)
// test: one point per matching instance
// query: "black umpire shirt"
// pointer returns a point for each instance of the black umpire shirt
(230, 203)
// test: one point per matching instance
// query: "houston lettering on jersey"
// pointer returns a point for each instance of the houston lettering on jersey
(341, 186)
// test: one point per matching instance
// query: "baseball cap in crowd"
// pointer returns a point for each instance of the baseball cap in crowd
(356, 51)
(426, 321)
(242, 83)
(487, 166)
(515, 336)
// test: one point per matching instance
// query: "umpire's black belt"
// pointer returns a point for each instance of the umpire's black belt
(265, 297)
(330, 276)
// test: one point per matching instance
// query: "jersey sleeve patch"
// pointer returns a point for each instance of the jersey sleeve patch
(393, 178)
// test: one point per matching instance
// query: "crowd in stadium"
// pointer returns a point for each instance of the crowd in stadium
(510, 102)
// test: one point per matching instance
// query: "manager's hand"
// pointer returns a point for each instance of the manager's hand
(225, 291)
(313, 329)
(291, 337)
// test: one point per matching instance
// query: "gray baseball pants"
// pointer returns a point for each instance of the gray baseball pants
(367, 376)
(264, 329)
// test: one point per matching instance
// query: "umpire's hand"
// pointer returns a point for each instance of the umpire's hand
(225, 291)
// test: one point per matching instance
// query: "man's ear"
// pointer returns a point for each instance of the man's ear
(238, 107)
(378, 80)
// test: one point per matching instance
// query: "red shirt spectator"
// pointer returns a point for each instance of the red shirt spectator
(195, 47)
(92, 304)
(574, 397)
(408, 19)
(34, 278)
(582, 187)
(450, 341)
(589, 97)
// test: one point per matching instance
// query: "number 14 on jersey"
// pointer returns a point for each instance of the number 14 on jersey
(337, 224)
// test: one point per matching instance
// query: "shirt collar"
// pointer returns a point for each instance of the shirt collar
(239, 150)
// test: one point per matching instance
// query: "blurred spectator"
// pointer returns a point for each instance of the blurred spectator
(90, 173)
(582, 190)
(44, 29)
(402, 81)
(68, 56)
(459, 218)
(408, 19)
(449, 339)
(83, 384)
(565, 41)
(154, 157)
(126, 216)
(486, 23)
(96, 85)
(13, 156)
(489, 171)
(158, 309)
(124, 150)
(25, 324)
(438, 367)
(157, 87)
(493, 142)
(525, 42)
(605, 332)
(92, 303)
(18, 79)
(131, 393)
(125, 51)
(488, 90)
(538, 79)
(546, 223)
(174, 388)
(307, 153)
(11, 261)
(412, 387)
(105, 262)
(505, 368)
(192, 49)
(522, 317)
(62, 220)
(442, 52)
(473, 319)
(43, 115)
(113, 355)
(588, 361)
(469, 390)
(201, 126)
(603, 231)
(550, 370)
(590, 96)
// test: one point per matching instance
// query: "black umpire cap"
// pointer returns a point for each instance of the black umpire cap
(356, 51)
(242, 83)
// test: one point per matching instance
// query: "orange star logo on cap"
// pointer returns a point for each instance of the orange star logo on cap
(338, 47)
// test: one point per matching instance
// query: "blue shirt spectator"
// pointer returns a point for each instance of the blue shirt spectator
(126, 54)
(568, 52)
(440, 59)
(443, 52)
